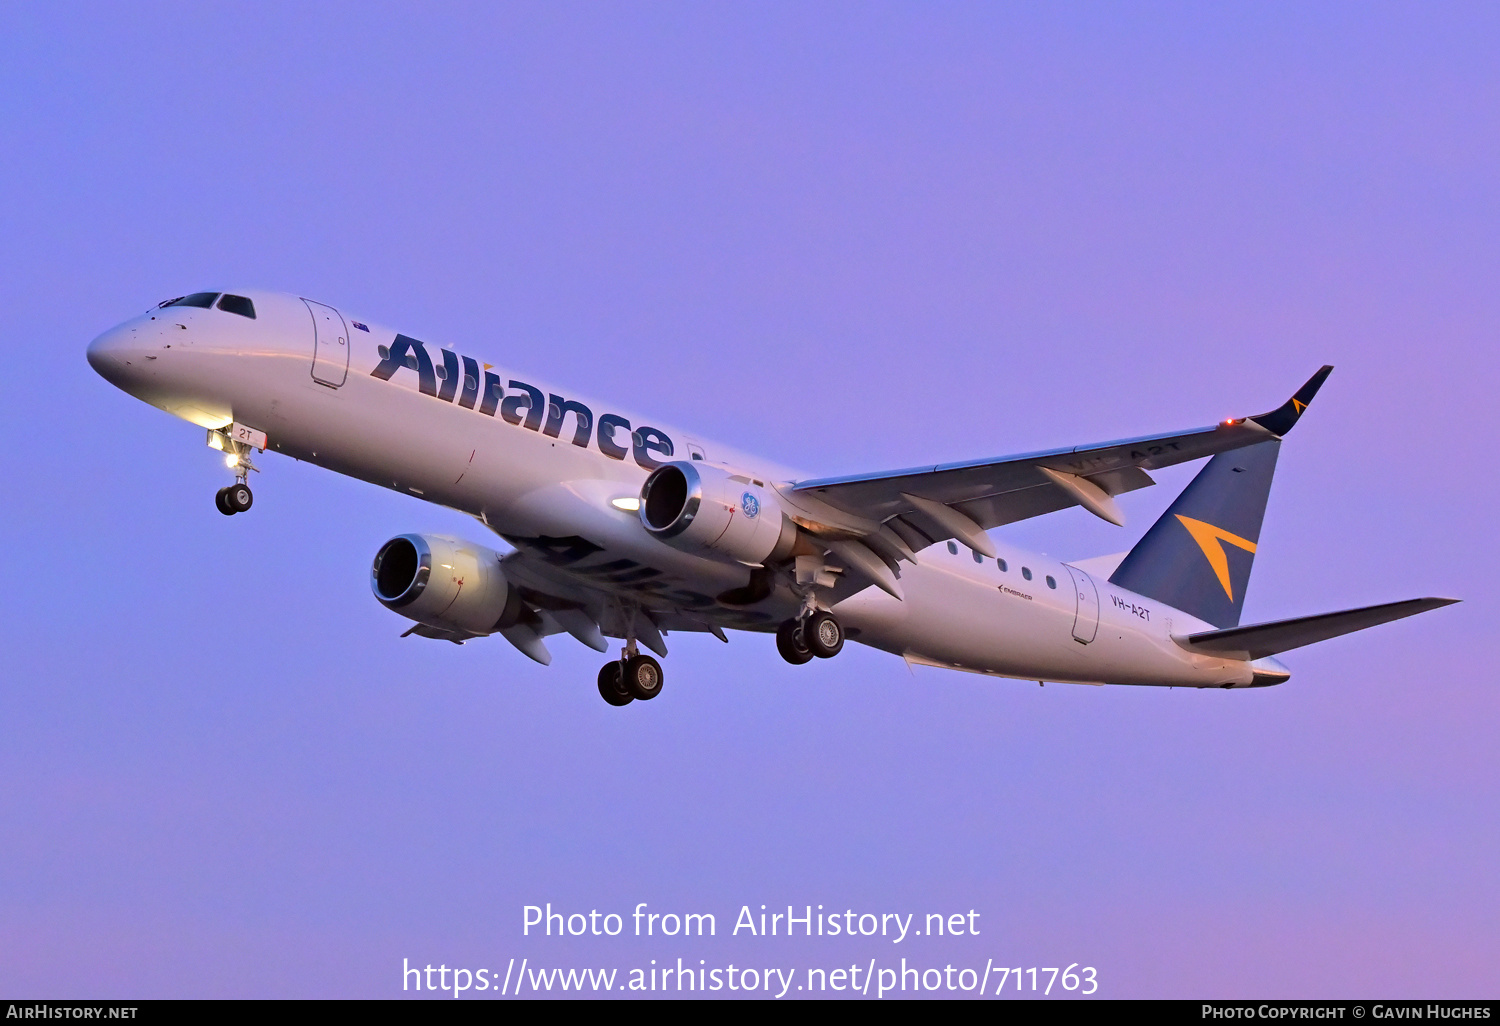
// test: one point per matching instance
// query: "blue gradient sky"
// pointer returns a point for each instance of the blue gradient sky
(851, 237)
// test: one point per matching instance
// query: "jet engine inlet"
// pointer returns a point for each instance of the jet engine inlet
(447, 583)
(705, 507)
(401, 570)
(670, 498)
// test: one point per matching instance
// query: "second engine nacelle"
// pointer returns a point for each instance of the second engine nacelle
(444, 582)
(698, 506)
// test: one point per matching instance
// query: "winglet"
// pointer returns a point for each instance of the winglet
(1282, 419)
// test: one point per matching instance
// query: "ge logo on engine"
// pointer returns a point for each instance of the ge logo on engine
(751, 505)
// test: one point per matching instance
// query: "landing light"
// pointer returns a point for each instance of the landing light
(628, 503)
(232, 460)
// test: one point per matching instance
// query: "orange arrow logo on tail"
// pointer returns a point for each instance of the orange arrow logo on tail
(1210, 539)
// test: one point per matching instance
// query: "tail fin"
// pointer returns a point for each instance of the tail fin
(1197, 557)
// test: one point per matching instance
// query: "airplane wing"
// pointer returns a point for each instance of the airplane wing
(916, 507)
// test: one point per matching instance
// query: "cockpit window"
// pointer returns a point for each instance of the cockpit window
(237, 305)
(199, 299)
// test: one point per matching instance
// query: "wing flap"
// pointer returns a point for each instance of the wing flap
(1267, 639)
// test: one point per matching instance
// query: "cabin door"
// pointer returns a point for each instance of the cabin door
(330, 345)
(1086, 614)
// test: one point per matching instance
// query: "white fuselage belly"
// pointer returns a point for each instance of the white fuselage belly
(526, 484)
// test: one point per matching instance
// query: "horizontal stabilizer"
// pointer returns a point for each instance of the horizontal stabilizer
(1266, 639)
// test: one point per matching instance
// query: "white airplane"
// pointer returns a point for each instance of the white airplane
(623, 528)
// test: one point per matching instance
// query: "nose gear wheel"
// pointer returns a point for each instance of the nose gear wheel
(235, 499)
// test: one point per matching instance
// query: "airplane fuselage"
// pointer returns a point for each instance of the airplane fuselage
(553, 473)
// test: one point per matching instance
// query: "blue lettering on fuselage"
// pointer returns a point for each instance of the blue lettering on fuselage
(519, 403)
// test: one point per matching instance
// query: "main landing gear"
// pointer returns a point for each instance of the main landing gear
(630, 677)
(818, 633)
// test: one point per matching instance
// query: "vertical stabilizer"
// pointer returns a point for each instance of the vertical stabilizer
(1197, 557)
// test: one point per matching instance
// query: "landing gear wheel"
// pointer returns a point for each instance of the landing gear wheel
(824, 635)
(791, 643)
(238, 498)
(612, 684)
(643, 677)
(221, 500)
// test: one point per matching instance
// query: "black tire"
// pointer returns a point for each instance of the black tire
(238, 498)
(790, 643)
(612, 684)
(221, 500)
(824, 635)
(643, 677)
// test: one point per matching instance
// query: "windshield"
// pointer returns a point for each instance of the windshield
(200, 299)
(237, 305)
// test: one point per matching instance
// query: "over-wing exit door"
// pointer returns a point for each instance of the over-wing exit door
(1086, 617)
(330, 345)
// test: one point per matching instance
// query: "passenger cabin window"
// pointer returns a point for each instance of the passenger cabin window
(1004, 567)
(1050, 582)
(1026, 572)
(977, 557)
(237, 305)
(204, 300)
(953, 548)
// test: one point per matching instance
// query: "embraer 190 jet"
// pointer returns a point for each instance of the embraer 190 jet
(622, 527)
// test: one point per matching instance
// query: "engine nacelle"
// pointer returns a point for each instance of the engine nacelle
(444, 582)
(698, 506)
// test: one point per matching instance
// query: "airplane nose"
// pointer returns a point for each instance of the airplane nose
(114, 354)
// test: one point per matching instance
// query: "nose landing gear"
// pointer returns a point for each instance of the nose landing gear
(237, 498)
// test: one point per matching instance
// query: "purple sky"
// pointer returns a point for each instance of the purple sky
(852, 237)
